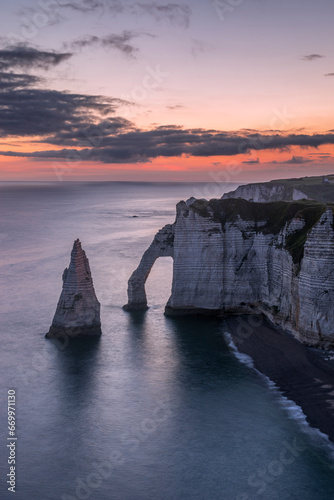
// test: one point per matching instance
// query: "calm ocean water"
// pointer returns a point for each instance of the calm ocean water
(158, 408)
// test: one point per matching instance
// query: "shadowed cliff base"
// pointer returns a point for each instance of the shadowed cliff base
(191, 311)
(140, 306)
(74, 332)
(220, 313)
(303, 374)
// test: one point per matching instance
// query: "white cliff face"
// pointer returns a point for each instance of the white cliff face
(316, 283)
(266, 192)
(277, 259)
(198, 252)
(78, 310)
(299, 195)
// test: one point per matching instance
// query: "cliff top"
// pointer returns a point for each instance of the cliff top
(266, 218)
(320, 188)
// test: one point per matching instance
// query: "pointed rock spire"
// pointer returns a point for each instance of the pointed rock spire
(78, 310)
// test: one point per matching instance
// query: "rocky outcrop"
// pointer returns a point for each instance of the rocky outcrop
(305, 188)
(234, 256)
(161, 246)
(78, 310)
(266, 192)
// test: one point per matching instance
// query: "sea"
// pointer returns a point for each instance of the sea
(158, 408)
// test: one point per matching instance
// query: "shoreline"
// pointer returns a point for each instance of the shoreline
(301, 373)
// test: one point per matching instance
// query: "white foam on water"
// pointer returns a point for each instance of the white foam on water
(295, 412)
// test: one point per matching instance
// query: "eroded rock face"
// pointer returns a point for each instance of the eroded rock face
(78, 310)
(234, 256)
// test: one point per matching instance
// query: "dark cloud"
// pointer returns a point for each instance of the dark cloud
(30, 112)
(50, 13)
(296, 160)
(322, 155)
(251, 162)
(83, 5)
(27, 110)
(312, 57)
(174, 13)
(88, 134)
(21, 56)
(329, 74)
(10, 81)
(120, 42)
(127, 144)
(177, 14)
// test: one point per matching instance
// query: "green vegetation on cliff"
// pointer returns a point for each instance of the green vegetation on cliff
(320, 188)
(266, 218)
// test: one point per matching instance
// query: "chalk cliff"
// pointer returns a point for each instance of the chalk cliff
(265, 192)
(235, 256)
(78, 310)
(308, 188)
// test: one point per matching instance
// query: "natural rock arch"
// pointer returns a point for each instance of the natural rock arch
(235, 256)
(161, 246)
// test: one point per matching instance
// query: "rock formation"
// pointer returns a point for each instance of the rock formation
(161, 246)
(78, 310)
(265, 192)
(235, 256)
(307, 188)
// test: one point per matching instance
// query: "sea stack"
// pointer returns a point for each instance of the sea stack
(78, 310)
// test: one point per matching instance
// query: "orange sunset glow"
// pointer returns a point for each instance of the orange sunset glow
(133, 95)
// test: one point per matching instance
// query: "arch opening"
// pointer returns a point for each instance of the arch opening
(161, 246)
(159, 282)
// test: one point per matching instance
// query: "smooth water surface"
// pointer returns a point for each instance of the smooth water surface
(158, 408)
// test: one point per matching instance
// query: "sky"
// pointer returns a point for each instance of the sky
(209, 91)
